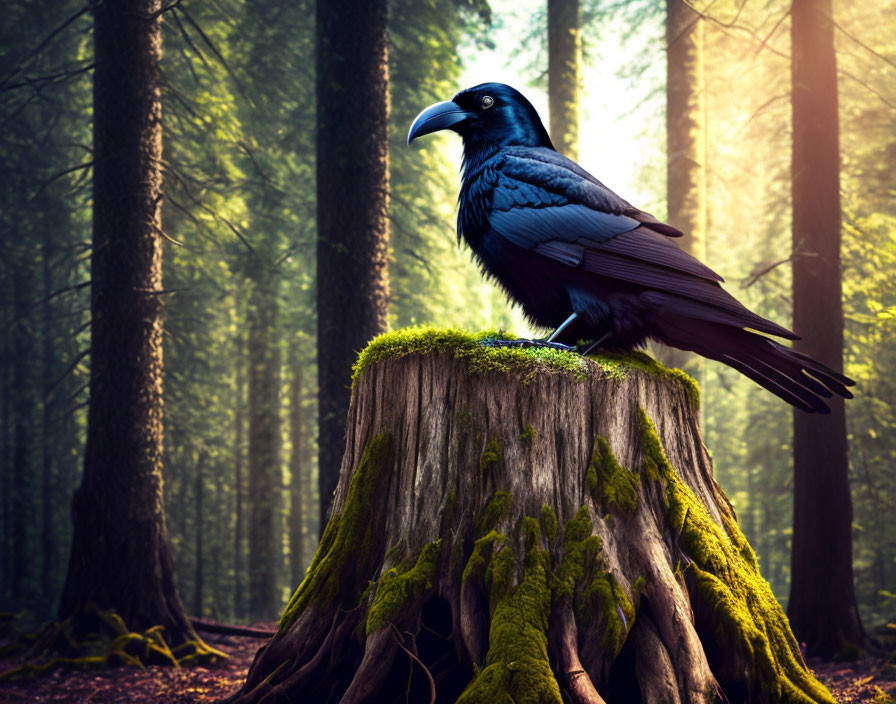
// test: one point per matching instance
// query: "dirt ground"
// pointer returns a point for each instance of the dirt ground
(851, 683)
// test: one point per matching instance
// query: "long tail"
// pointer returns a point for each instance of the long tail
(790, 375)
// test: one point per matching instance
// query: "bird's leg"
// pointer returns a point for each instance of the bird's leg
(548, 341)
(566, 323)
(594, 344)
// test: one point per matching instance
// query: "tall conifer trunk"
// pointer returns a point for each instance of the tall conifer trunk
(822, 605)
(685, 144)
(564, 65)
(120, 558)
(352, 198)
(265, 476)
(297, 467)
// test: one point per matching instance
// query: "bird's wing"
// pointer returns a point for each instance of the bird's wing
(524, 164)
(541, 199)
(544, 205)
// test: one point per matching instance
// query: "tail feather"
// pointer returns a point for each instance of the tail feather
(792, 376)
(806, 401)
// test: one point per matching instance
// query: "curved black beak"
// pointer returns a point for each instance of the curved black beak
(437, 117)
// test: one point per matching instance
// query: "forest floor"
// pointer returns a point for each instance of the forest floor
(850, 682)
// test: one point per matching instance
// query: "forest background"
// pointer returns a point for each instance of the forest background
(240, 234)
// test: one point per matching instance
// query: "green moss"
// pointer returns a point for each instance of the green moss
(618, 365)
(111, 644)
(528, 435)
(479, 559)
(392, 553)
(653, 458)
(579, 546)
(497, 508)
(398, 589)
(604, 599)
(482, 359)
(491, 455)
(881, 697)
(549, 523)
(451, 501)
(612, 486)
(467, 346)
(500, 573)
(340, 564)
(517, 669)
(747, 618)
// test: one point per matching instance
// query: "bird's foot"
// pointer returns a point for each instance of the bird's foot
(493, 342)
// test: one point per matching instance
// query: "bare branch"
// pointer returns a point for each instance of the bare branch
(48, 78)
(863, 45)
(218, 54)
(34, 52)
(79, 167)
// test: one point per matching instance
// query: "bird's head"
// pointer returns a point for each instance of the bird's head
(491, 113)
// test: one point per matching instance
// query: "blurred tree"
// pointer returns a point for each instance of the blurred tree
(685, 137)
(564, 68)
(826, 619)
(352, 195)
(120, 558)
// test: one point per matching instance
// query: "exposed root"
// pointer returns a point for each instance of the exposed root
(653, 666)
(57, 645)
(565, 637)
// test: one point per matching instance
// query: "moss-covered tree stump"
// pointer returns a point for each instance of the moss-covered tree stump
(527, 526)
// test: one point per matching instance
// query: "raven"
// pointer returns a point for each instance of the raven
(583, 261)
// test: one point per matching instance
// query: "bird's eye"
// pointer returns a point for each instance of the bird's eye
(487, 102)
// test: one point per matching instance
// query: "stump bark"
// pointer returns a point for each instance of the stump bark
(527, 526)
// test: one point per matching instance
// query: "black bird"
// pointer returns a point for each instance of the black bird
(583, 261)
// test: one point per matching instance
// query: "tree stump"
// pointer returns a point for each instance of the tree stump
(525, 525)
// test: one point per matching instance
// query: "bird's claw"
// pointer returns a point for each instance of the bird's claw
(494, 342)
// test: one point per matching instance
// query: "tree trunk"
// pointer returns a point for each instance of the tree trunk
(120, 558)
(238, 434)
(352, 197)
(265, 476)
(564, 64)
(825, 617)
(296, 467)
(516, 526)
(685, 139)
(198, 550)
(23, 575)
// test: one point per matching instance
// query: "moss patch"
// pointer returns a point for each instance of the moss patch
(579, 546)
(481, 359)
(497, 508)
(398, 589)
(468, 347)
(747, 618)
(517, 668)
(612, 486)
(618, 365)
(604, 599)
(549, 523)
(491, 455)
(345, 550)
(528, 435)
